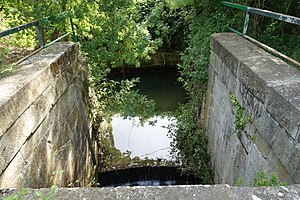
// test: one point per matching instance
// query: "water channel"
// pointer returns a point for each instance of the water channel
(149, 141)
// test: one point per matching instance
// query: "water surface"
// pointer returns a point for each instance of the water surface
(143, 141)
(146, 140)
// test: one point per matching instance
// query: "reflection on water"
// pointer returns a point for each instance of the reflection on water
(162, 87)
(150, 141)
(143, 141)
(147, 141)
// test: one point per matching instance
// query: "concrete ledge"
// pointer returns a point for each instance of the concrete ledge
(195, 192)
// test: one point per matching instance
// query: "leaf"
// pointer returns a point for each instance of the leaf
(53, 188)
(12, 197)
(39, 193)
(23, 191)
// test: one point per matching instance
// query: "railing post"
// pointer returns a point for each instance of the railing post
(73, 29)
(246, 23)
(40, 35)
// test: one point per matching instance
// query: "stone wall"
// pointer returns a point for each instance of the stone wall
(267, 91)
(44, 131)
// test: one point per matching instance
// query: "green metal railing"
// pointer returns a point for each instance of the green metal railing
(39, 24)
(266, 13)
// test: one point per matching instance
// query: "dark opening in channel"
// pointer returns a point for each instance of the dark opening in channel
(146, 176)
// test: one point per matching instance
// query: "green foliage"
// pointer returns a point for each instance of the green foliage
(239, 182)
(189, 136)
(281, 36)
(48, 196)
(16, 13)
(180, 3)
(165, 24)
(114, 97)
(21, 193)
(12, 16)
(190, 144)
(195, 60)
(18, 195)
(261, 179)
(240, 121)
(117, 39)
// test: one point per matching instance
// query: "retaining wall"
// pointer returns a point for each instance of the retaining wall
(44, 131)
(245, 79)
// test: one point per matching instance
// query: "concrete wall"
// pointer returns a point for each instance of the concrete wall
(269, 90)
(44, 121)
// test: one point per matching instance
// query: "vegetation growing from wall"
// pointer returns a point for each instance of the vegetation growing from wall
(240, 119)
(261, 179)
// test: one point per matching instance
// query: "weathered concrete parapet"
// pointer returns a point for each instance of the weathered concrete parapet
(190, 192)
(266, 88)
(44, 121)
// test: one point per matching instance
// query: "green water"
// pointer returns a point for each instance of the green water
(162, 87)
(150, 141)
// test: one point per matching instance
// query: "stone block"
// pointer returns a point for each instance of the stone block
(284, 148)
(250, 83)
(215, 63)
(179, 192)
(293, 165)
(239, 164)
(230, 80)
(262, 145)
(21, 89)
(281, 108)
(280, 170)
(267, 127)
(255, 160)
(232, 49)
(225, 55)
